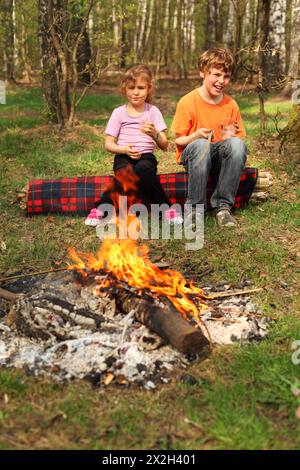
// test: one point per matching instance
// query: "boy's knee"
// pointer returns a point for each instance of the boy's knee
(198, 144)
(236, 148)
(236, 144)
(194, 149)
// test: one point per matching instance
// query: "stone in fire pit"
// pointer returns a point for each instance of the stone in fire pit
(60, 329)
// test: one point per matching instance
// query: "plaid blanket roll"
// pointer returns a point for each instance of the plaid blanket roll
(78, 195)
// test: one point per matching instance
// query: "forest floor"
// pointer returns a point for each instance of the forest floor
(244, 397)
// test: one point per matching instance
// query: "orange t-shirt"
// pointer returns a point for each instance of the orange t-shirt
(193, 113)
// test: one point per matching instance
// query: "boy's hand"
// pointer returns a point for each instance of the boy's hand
(129, 150)
(149, 129)
(229, 130)
(203, 133)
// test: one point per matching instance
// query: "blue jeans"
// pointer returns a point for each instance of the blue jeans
(226, 158)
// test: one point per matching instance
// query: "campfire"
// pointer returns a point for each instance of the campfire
(93, 322)
(130, 263)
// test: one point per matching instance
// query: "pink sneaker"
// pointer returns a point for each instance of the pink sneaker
(93, 218)
(173, 217)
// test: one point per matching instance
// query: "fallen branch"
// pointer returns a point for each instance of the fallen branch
(231, 293)
(7, 295)
(37, 273)
(48, 271)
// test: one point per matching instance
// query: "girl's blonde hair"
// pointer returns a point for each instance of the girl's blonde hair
(134, 72)
(218, 57)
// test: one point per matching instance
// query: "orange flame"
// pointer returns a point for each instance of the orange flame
(129, 262)
(124, 182)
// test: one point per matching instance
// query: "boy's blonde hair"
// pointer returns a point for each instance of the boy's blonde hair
(134, 72)
(218, 57)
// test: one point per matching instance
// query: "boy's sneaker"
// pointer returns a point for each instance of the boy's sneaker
(93, 218)
(173, 217)
(225, 218)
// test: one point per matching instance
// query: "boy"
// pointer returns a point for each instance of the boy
(208, 130)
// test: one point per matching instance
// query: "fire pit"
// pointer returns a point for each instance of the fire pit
(95, 322)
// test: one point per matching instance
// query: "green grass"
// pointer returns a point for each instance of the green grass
(25, 106)
(249, 109)
(242, 398)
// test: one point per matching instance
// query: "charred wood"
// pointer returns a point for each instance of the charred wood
(166, 322)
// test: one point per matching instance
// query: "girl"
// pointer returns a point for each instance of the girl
(132, 133)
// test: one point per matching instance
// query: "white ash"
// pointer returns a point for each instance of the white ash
(77, 335)
(235, 320)
(76, 358)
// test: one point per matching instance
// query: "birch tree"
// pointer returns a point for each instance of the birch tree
(24, 50)
(239, 23)
(8, 12)
(294, 46)
(295, 40)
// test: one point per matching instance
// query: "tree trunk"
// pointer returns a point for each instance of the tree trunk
(209, 26)
(9, 40)
(218, 32)
(294, 47)
(183, 36)
(143, 4)
(190, 44)
(223, 19)
(55, 60)
(84, 53)
(292, 130)
(264, 35)
(150, 19)
(60, 44)
(27, 70)
(287, 33)
(239, 11)
(176, 39)
(165, 54)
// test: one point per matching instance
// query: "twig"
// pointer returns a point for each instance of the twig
(232, 293)
(19, 276)
(196, 425)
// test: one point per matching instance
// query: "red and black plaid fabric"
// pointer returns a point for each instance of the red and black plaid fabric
(78, 195)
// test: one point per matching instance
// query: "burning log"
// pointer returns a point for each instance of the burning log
(166, 322)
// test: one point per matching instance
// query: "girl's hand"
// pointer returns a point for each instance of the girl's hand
(129, 150)
(149, 129)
